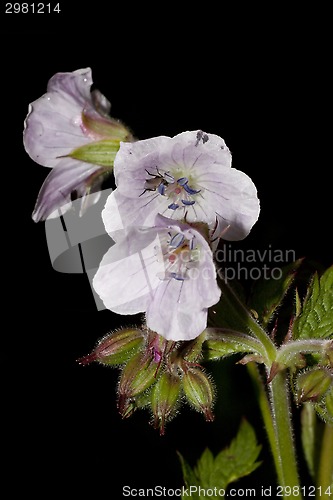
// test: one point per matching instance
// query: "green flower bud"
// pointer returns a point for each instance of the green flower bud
(199, 391)
(324, 408)
(130, 405)
(313, 384)
(164, 399)
(140, 373)
(188, 351)
(116, 348)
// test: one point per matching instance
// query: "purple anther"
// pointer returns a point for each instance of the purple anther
(189, 190)
(177, 240)
(177, 276)
(161, 189)
(182, 181)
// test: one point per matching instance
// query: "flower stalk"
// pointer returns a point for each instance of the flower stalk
(325, 470)
(285, 450)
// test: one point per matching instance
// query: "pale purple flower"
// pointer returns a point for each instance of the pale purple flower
(166, 271)
(187, 177)
(64, 119)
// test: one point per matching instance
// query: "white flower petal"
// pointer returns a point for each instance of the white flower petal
(179, 307)
(136, 275)
(53, 127)
(130, 153)
(174, 321)
(67, 176)
(128, 274)
(203, 143)
(233, 198)
(118, 212)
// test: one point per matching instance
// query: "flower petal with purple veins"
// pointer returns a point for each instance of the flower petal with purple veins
(151, 270)
(67, 177)
(206, 188)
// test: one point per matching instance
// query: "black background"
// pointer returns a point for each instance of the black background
(260, 83)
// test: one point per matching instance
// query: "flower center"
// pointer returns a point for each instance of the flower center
(178, 191)
(180, 255)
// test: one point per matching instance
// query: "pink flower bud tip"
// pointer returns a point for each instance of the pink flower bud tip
(86, 360)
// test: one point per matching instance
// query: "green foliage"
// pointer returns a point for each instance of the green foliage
(268, 294)
(234, 462)
(316, 319)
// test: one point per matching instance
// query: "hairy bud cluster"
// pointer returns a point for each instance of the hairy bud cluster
(156, 374)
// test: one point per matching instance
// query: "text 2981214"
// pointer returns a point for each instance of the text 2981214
(32, 8)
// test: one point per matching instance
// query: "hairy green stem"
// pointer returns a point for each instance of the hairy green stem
(287, 352)
(247, 321)
(325, 469)
(266, 414)
(285, 450)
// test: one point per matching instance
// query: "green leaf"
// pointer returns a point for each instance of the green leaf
(204, 468)
(316, 318)
(232, 463)
(189, 477)
(239, 459)
(268, 293)
(221, 342)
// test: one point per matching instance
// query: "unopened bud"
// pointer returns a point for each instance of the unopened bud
(158, 346)
(139, 374)
(191, 350)
(165, 395)
(130, 405)
(116, 348)
(313, 384)
(199, 391)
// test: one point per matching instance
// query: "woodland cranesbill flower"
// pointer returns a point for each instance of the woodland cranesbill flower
(69, 130)
(167, 271)
(186, 177)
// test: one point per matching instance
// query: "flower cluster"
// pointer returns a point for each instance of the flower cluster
(157, 374)
(175, 197)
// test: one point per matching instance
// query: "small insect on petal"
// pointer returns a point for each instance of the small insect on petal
(169, 178)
